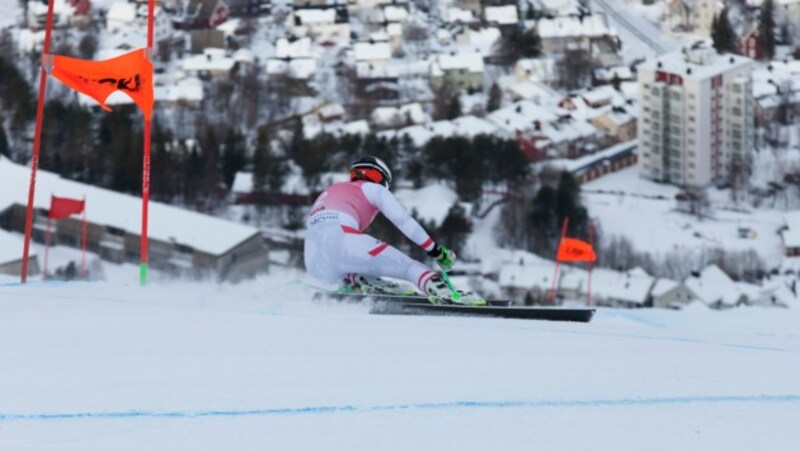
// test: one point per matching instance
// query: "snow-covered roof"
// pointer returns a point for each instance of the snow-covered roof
(189, 89)
(574, 165)
(392, 116)
(470, 126)
(244, 55)
(559, 7)
(621, 286)
(664, 285)
(713, 63)
(453, 14)
(393, 13)
(122, 211)
(536, 69)
(535, 91)
(299, 69)
(611, 73)
(521, 116)
(593, 26)
(713, 286)
(331, 110)
(501, 15)
(120, 12)
(394, 29)
(618, 116)
(480, 41)
(392, 69)
(229, 27)
(211, 60)
(526, 276)
(358, 127)
(316, 16)
(299, 48)
(10, 247)
(372, 51)
(472, 62)
(600, 95)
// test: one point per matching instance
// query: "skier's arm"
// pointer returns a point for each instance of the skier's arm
(380, 197)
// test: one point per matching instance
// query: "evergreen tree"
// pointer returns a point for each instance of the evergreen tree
(454, 107)
(261, 156)
(234, 156)
(123, 138)
(530, 13)
(495, 98)
(725, 39)
(766, 29)
(518, 44)
(543, 223)
(211, 176)
(455, 227)
(165, 182)
(568, 205)
(549, 208)
(5, 150)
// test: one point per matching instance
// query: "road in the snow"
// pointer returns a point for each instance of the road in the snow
(640, 38)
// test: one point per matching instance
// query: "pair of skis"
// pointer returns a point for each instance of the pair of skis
(420, 305)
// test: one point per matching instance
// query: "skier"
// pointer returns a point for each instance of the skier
(336, 247)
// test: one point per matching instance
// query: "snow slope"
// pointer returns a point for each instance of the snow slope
(257, 366)
(645, 212)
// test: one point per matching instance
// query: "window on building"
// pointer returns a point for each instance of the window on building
(737, 111)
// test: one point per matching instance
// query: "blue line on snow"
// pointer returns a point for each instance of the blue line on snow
(587, 403)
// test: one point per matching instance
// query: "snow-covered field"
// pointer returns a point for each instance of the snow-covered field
(258, 366)
(626, 205)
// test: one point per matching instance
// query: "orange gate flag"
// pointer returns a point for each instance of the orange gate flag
(131, 73)
(574, 250)
(64, 207)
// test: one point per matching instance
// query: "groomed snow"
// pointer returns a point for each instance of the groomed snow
(257, 366)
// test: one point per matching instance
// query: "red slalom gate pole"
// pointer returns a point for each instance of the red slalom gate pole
(146, 158)
(145, 202)
(46, 249)
(83, 240)
(591, 264)
(37, 141)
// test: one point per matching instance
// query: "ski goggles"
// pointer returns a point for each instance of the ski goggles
(369, 174)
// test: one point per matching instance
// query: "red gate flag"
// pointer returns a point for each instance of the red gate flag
(574, 250)
(64, 207)
(131, 73)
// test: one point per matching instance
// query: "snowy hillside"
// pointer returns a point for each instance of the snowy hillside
(257, 366)
(645, 212)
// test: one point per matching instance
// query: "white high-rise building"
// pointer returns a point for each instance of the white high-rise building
(695, 117)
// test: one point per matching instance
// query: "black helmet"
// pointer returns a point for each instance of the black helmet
(372, 169)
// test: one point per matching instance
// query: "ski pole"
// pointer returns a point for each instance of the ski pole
(449, 283)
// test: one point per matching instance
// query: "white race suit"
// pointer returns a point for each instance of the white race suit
(336, 246)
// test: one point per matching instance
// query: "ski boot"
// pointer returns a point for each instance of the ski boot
(439, 293)
(354, 283)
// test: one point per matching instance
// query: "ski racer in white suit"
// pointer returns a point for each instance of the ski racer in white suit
(337, 249)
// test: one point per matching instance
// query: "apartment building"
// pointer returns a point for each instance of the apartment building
(695, 117)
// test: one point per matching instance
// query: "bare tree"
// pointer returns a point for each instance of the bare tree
(694, 201)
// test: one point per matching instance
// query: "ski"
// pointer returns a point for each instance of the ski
(418, 305)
